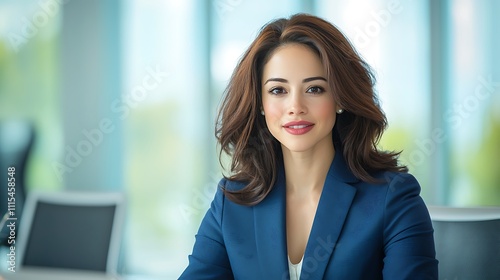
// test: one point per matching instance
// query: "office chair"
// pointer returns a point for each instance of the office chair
(72, 230)
(16, 141)
(467, 242)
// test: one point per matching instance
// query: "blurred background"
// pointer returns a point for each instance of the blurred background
(122, 96)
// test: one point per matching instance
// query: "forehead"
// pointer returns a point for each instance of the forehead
(293, 61)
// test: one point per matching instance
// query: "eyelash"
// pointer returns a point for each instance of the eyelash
(272, 90)
(319, 90)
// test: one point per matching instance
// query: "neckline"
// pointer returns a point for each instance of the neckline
(295, 264)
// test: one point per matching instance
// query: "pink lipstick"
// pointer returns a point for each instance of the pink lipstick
(298, 127)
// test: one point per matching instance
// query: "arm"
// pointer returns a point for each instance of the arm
(408, 233)
(209, 259)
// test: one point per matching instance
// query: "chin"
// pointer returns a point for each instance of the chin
(296, 147)
(306, 144)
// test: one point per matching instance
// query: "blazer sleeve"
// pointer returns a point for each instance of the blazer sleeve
(209, 259)
(408, 233)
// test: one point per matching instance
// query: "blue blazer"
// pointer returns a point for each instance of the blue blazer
(360, 231)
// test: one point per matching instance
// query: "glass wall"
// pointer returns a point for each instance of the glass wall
(167, 130)
(29, 82)
(474, 103)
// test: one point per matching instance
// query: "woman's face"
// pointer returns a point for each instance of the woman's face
(297, 100)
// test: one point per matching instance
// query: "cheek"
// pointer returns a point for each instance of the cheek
(273, 115)
(273, 110)
(326, 111)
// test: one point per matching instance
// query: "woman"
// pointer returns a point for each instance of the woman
(310, 195)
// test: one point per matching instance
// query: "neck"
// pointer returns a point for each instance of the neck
(306, 171)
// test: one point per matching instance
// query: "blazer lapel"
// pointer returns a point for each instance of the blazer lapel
(333, 207)
(270, 231)
(270, 224)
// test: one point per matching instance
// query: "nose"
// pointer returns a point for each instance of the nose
(297, 105)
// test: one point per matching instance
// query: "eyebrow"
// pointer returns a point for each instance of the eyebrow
(306, 80)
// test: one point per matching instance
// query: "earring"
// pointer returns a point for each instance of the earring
(339, 111)
(262, 112)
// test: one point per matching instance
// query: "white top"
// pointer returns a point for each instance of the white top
(295, 269)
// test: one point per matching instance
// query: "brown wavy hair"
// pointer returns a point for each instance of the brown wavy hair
(241, 129)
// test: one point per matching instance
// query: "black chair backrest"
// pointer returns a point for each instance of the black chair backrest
(467, 242)
(72, 230)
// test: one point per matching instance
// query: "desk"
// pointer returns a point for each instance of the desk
(55, 274)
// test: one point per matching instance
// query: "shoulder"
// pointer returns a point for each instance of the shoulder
(221, 199)
(393, 177)
(402, 200)
(220, 203)
(230, 185)
(407, 230)
(394, 192)
(397, 181)
(388, 184)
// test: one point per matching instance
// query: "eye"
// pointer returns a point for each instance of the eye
(277, 90)
(315, 90)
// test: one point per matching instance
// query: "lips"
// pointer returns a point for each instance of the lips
(298, 127)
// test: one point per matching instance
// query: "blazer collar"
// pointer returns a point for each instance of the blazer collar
(340, 171)
(270, 224)
(270, 231)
